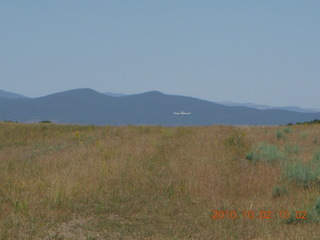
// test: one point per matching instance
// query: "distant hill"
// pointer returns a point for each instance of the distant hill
(86, 106)
(114, 94)
(264, 107)
(9, 95)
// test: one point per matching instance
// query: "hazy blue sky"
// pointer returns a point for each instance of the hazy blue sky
(265, 52)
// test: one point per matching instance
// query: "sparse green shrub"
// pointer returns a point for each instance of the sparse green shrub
(20, 205)
(279, 134)
(287, 130)
(316, 158)
(237, 142)
(304, 136)
(250, 155)
(279, 191)
(234, 140)
(292, 149)
(317, 206)
(265, 152)
(311, 215)
(303, 174)
(299, 216)
(90, 140)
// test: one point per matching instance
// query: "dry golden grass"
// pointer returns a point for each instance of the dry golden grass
(149, 182)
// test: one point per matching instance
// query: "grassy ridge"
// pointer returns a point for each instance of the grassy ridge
(149, 182)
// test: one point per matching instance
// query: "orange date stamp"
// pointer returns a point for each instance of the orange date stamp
(258, 214)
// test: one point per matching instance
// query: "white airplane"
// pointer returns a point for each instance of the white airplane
(182, 113)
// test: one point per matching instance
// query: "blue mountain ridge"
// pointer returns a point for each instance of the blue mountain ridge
(86, 106)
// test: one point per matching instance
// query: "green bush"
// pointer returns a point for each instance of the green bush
(250, 156)
(266, 153)
(303, 174)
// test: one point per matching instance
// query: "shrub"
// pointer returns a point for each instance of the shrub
(303, 174)
(265, 152)
(295, 217)
(287, 130)
(292, 149)
(315, 121)
(45, 121)
(278, 191)
(312, 215)
(279, 134)
(304, 135)
(250, 156)
(235, 140)
(316, 158)
(317, 206)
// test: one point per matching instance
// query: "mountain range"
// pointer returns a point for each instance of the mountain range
(5, 94)
(264, 107)
(86, 106)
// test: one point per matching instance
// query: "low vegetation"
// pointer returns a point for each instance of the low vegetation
(152, 182)
(279, 191)
(315, 121)
(265, 152)
(303, 174)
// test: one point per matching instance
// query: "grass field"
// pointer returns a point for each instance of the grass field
(151, 182)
